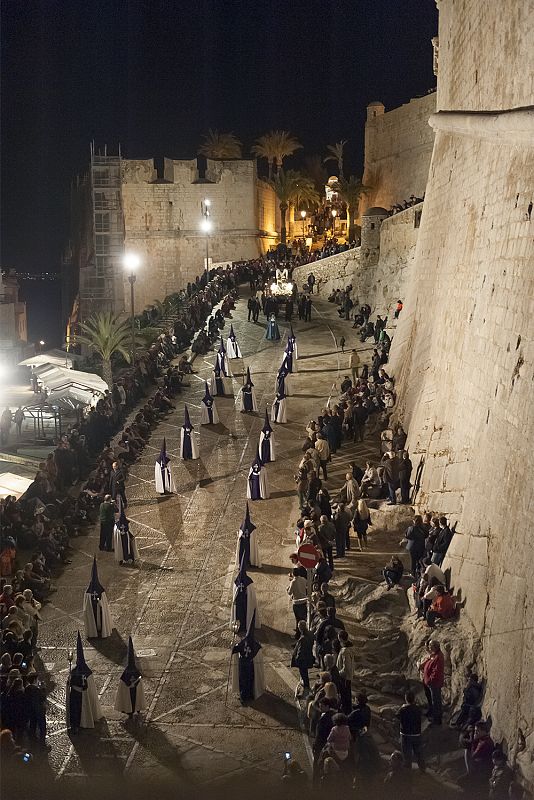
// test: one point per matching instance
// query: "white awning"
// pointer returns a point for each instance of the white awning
(55, 379)
(58, 357)
(13, 484)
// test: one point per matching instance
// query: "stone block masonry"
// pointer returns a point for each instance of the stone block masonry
(463, 353)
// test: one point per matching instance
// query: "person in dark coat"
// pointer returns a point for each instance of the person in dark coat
(36, 705)
(405, 472)
(391, 474)
(106, 515)
(117, 483)
(443, 540)
(415, 543)
(322, 731)
(359, 418)
(303, 657)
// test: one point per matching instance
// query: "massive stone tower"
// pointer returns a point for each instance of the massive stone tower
(463, 353)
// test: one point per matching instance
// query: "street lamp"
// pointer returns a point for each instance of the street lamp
(303, 217)
(41, 345)
(206, 226)
(334, 215)
(131, 262)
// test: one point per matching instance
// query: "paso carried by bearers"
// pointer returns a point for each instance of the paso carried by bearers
(96, 613)
(232, 348)
(124, 543)
(163, 472)
(247, 398)
(130, 697)
(188, 443)
(208, 411)
(82, 705)
(244, 605)
(247, 543)
(248, 674)
(266, 445)
(257, 486)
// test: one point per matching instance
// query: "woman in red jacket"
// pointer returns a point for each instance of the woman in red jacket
(433, 669)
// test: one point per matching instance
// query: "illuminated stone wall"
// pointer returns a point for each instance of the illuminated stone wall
(463, 353)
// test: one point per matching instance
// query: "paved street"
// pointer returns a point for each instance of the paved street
(176, 603)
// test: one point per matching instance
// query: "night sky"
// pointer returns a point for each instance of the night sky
(156, 75)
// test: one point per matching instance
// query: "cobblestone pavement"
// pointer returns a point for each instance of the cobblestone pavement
(176, 602)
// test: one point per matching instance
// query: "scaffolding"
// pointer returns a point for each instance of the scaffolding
(101, 279)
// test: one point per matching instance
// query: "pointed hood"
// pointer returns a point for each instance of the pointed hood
(242, 580)
(207, 395)
(247, 524)
(267, 425)
(163, 458)
(95, 587)
(222, 348)
(220, 361)
(231, 335)
(187, 422)
(283, 372)
(132, 671)
(249, 379)
(292, 337)
(217, 367)
(81, 667)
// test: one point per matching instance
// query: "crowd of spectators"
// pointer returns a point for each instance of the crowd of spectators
(90, 461)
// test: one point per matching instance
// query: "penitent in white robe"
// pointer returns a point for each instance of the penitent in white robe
(164, 479)
(259, 674)
(205, 414)
(278, 413)
(102, 626)
(124, 549)
(271, 446)
(232, 349)
(251, 607)
(255, 558)
(91, 708)
(123, 698)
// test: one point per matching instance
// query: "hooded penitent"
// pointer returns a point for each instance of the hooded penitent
(124, 544)
(248, 395)
(257, 487)
(96, 613)
(163, 472)
(248, 676)
(188, 444)
(81, 700)
(244, 601)
(247, 543)
(130, 691)
(232, 347)
(278, 412)
(266, 443)
(208, 411)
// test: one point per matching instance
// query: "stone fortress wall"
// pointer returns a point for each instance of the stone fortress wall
(398, 148)
(381, 285)
(463, 352)
(162, 220)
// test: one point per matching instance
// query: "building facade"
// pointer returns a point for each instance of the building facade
(122, 205)
(13, 327)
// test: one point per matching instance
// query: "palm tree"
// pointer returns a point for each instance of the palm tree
(291, 187)
(106, 334)
(275, 146)
(350, 191)
(314, 166)
(335, 153)
(220, 146)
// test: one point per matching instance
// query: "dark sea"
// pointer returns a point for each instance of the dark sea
(43, 309)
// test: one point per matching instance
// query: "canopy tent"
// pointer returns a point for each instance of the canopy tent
(70, 397)
(11, 484)
(56, 379)
(58, 357)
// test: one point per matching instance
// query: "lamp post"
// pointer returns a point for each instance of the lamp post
(303, 217)
(334, 215)
(41, 345)
(206, 225)
(131, 262)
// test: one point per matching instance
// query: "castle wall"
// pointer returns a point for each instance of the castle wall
(380, 285)
(398, 148)
(162, 221)
(463, 353)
